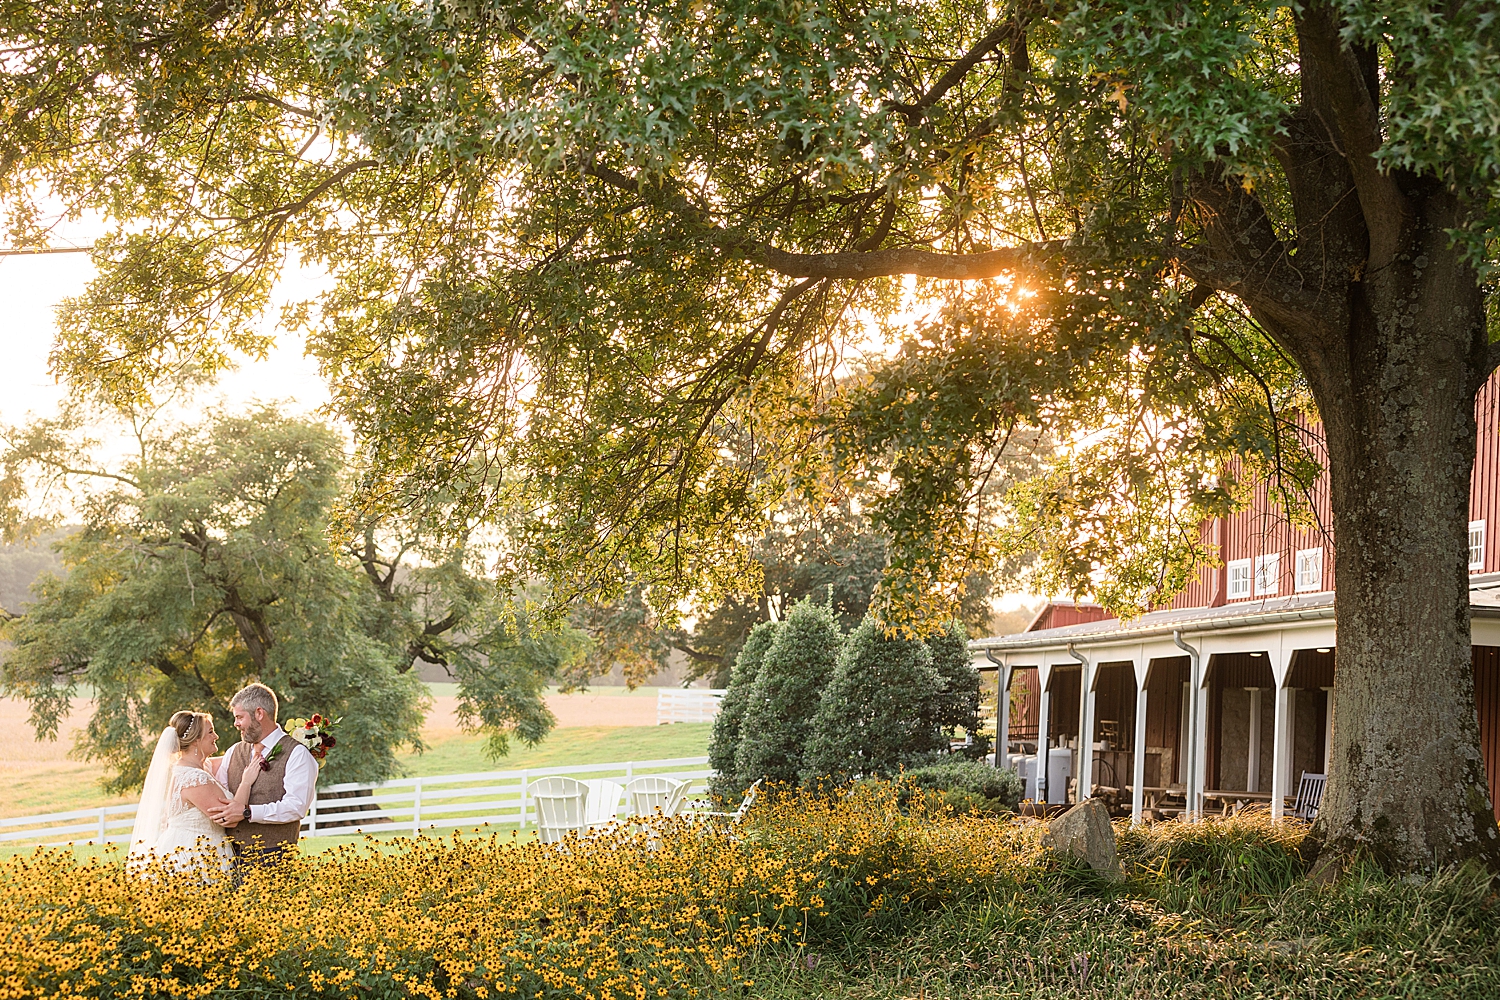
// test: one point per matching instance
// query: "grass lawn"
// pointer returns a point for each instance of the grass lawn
(54, 787)
(461, 754)
(66, 785)
(40, 778)
(72, 786)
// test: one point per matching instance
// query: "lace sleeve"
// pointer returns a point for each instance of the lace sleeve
(192, 777)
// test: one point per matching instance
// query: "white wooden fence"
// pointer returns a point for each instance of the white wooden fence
(687, 704)
(405, 805)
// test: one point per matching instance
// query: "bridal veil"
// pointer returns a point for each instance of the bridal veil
(152, 812)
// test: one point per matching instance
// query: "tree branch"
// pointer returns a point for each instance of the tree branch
(1334, 83)
(996, 38)
(292, 208)
(852, 264)
(1491, 360)
(903, 260)
(278, 102)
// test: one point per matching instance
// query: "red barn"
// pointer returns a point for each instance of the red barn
(1222, 698)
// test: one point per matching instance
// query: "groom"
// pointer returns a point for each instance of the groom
(270, 824)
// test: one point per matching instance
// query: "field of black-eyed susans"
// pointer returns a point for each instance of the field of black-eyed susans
(616, 916)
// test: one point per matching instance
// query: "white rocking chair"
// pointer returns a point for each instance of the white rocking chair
(603, 801)
(1309, 796)
(733, 818)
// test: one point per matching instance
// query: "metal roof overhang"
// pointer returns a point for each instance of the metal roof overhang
(1310, 609)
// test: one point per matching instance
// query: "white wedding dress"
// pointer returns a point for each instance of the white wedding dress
(186, 825)
(170, 828)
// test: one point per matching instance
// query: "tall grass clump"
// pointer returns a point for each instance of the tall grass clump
(1215, 865)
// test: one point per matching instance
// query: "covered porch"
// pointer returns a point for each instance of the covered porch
(1189, 711)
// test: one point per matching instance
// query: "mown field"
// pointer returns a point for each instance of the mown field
(811, 898)
(604, 724)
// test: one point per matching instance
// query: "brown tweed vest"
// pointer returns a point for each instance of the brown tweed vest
(269, 787)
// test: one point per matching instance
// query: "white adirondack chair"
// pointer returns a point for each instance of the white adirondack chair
(603, 801)
(561, 807)
(733, 818)
(1309, 796)
(647, 795)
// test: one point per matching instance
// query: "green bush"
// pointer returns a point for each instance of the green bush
(778, 718)
(876, 714)
(965, 782)
(727, 724)
(956, 705)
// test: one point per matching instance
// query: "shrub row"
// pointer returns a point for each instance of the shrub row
(806, 703)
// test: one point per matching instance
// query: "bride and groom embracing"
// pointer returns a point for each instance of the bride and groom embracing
(212, 813)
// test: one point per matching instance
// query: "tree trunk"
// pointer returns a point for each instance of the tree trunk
(1407, 782)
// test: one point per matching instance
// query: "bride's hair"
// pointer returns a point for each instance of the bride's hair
(190, 728)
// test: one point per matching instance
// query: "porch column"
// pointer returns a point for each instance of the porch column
(1282, 752)
(1086, 735)
(1002, 718)
(1252, 755)
(1043, 759)
(1200, 742)
(1138, 759)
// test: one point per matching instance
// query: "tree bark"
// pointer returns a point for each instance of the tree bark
(1407, 782)
(1385, 317)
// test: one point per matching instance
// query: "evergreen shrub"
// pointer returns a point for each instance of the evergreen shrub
(876, 713)
(778, 717)
(725, 740)
(956, 705)
(966, 785)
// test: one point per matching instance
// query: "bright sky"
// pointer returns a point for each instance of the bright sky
(32, 286)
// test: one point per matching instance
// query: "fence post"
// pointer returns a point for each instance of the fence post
(416, 808)
(629, 770)
(523, 801)
(312, 816)
(101, 824)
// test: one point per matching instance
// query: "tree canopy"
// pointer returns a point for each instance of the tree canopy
(620, 257)
(205, 563)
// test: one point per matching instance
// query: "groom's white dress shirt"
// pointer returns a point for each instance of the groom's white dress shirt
(301, 781)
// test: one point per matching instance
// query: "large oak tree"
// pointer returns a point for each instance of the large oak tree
(612, 251)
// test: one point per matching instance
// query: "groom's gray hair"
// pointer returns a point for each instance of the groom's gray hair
(253, 696)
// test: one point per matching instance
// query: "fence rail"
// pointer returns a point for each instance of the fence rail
(687, 704)
(409, 805)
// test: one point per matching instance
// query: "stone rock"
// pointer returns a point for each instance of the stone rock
(1085, 832)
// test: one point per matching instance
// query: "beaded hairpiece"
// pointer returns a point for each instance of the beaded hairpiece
(189, 735)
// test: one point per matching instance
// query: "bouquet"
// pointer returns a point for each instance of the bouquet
(316, 734)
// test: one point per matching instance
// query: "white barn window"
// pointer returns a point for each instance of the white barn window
(1267, 574)
(1239, 578)
(1476, 545)
(1309, 570)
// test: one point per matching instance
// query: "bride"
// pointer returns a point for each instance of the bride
(172, 823)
